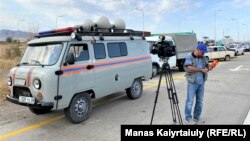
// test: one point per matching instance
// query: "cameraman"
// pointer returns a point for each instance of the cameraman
(196, 74)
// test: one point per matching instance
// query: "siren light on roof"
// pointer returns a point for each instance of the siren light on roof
(59, 30)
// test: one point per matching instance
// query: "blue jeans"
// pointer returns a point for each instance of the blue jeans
(194, 90)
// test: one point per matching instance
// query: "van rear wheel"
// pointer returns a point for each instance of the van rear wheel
(155, 70)
(135, 91)
(79, 108)
(181, 65)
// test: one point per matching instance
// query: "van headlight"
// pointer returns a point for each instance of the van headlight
(9, 81)
(37, 84)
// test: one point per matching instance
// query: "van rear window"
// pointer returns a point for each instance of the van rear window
(117, 49)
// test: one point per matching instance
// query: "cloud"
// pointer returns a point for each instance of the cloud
(235, 4)
(39, 3)
(241, 3)
(8, 21)
(46, 12)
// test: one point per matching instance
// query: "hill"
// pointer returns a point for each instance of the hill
(19, 35)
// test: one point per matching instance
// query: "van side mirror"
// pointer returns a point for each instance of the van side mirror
(70, 58)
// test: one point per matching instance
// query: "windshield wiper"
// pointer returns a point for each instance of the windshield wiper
(37, 62)
(24, 63)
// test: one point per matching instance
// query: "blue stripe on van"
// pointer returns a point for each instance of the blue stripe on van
(125, 61)
(75, 69)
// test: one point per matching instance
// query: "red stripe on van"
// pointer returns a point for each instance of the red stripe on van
(14, 75)
(70, 72)
(29, 77)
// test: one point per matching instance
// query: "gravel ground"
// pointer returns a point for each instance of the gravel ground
(10, 112)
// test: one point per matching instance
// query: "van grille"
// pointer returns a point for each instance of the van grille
(21, 91)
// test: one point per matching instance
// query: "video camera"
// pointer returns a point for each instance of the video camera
(163, 48)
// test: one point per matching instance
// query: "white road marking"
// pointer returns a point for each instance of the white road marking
(239, 68)
(247, 120)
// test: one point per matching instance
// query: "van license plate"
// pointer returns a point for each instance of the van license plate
(29, 100)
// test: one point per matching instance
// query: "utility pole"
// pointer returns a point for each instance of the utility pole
(57, 19)
(142, 10)
(215, 23)
(238, 30)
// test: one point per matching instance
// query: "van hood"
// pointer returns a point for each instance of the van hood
(22, 75)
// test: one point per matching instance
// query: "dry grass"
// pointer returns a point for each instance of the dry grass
(4, 90)
(6, 63)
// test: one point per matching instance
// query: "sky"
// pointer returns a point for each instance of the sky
(204, 17)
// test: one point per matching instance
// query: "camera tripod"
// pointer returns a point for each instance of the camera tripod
(171, 94)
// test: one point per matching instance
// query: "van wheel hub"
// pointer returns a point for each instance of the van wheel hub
(81, 107)
(136, 89)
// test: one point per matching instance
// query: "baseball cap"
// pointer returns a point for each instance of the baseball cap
(202, 48)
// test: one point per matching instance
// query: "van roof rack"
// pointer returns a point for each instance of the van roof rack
(93, 32)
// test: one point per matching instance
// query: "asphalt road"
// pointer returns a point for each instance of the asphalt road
(226, 101)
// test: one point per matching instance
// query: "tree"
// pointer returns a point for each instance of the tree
(9, 39)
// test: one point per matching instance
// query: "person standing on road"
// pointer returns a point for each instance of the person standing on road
(196, 74)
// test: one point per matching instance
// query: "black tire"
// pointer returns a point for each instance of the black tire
(181, 66)
(135, 91)
(39, 111)
(155, 70)
(227, 58)
(79, 109)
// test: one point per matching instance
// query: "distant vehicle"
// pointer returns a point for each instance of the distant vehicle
(246, 46)
(218, 52)
(156, 61)
(185, 43)
(209, 42)
(237, 48)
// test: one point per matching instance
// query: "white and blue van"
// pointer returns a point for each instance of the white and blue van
(67, 68)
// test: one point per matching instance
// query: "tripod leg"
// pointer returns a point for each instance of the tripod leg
(156, 96)
(175, 98)
(170, 96)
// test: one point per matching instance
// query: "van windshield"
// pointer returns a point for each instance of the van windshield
(46, 54)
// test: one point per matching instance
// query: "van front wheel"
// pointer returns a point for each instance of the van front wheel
(135, 91)
(79, 108)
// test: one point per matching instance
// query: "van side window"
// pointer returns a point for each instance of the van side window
(117, 49)
(123, 47)
(80, 51)
(99, 50)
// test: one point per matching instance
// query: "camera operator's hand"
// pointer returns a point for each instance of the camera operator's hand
(205, 70)
(210, 67)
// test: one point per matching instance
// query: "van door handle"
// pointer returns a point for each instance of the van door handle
(59, 72)
(89, 67)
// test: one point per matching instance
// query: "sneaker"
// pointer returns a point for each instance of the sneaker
(199, 121)
(188, 122)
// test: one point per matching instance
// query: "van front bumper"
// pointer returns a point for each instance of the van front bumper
(42, 105)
